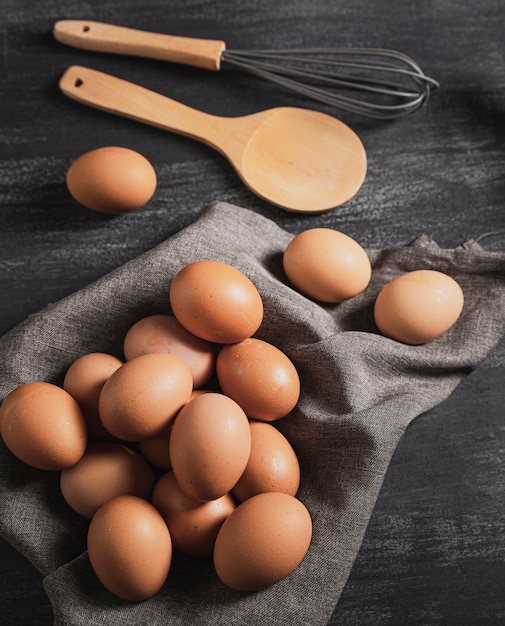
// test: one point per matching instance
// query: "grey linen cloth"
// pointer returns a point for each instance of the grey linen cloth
(360, 391)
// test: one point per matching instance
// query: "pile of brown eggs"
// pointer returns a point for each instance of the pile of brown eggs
(175, 446)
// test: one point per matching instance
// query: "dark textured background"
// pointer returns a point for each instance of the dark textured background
(434, 552)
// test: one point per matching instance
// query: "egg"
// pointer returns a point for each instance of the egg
(216, 302)
(193, 525)
(327, 265)
(129, 548)
(84, 380)
(111, 179)
(163, 333)
(143, 396)
(272, 465)
(259, 377)
(43, 426)
(262, 541)
(419, 306)
(106, 470)
(155, 449)
(209, 446)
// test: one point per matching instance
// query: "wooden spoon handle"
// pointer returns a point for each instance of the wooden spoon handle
(126, 99)
(100, 37)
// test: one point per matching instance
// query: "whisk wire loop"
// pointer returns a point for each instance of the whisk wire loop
(305, 71)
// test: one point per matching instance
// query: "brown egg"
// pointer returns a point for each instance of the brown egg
(43, 426)
(418, 306)
(111, 179)
(259, 377)
(210, 444)
(327, 265)
(272, 465)
(193, 525)
(163, 333)
(155, 449)
(106, 470)
(142, 397)
(216, 302)
(84, 381)
(129, 548)
(262, 541)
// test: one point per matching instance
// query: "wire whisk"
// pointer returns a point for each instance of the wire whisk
(389, 84)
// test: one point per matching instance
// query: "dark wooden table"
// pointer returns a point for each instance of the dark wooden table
(434, 552)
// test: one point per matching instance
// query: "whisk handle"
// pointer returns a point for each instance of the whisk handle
(101, 37)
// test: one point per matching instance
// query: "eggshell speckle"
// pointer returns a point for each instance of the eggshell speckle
(111, 179)
(272, 465)
(418, 306)
(216, 302)
(327, 265)
(262, 541)
(259, 377)
(106, 470)
(163, 333)
(142, 397)
(43, 426)
(209, 446)
(129, 547)
(193, 525)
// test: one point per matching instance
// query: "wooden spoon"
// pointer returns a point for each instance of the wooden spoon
(297, 159)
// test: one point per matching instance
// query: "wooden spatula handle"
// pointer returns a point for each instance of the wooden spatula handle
(100, 37)
(120, 97)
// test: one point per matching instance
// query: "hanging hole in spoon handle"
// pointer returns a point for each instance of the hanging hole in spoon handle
(298, 159)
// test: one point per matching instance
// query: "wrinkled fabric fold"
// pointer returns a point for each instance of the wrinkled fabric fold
(360, 391)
